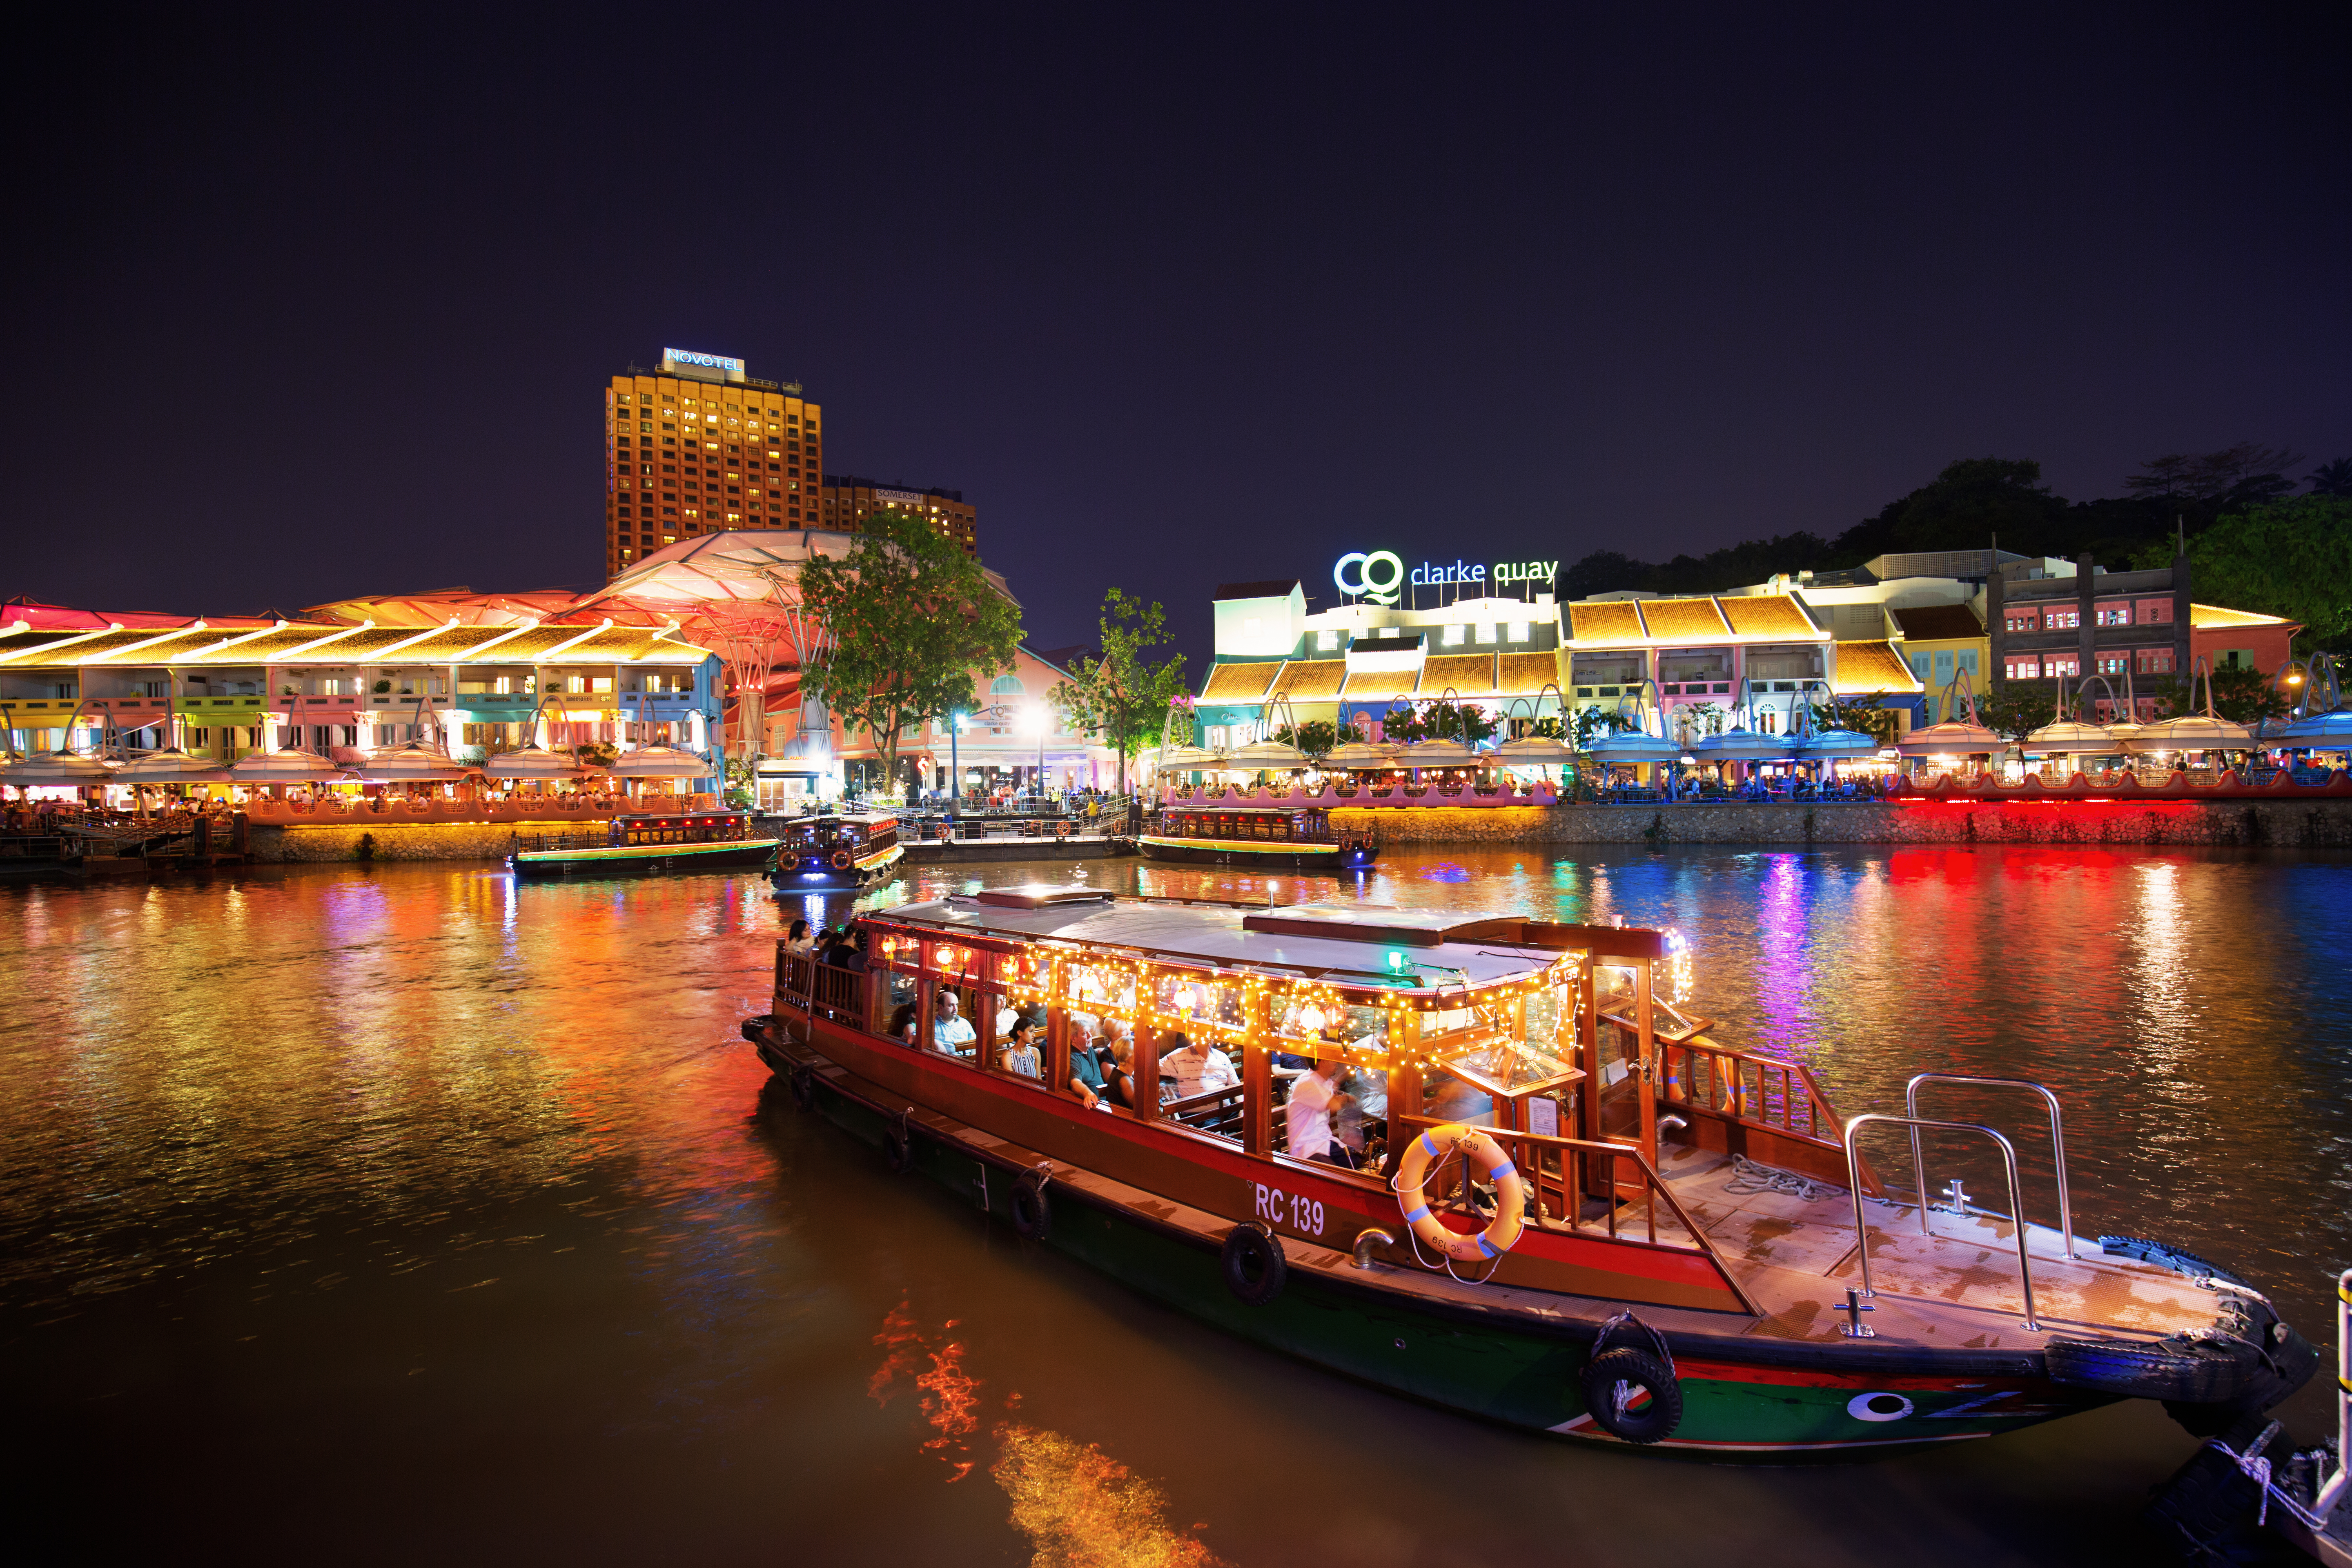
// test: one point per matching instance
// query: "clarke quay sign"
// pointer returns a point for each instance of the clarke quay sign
(1380, 576)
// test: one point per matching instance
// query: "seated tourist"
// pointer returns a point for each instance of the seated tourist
(1086, 1081)
(1119, 1076)
(1020, 1055)
(902, 1024)
(1193, 1069)
(950, 1031)
(1306, 1117)
(1360, 1121)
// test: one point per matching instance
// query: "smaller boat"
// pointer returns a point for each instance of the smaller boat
(853, 850)
(644, 841)
(1279, 838)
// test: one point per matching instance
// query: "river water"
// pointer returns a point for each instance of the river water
(403, 1211)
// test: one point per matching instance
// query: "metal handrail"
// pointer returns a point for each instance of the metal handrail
(1862, 1228)
(2057, 1143)
(2331, 1492)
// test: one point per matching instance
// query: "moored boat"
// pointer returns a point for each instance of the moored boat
(638, 842)
(1588, 1218)
(1274, 838)
(852, 849)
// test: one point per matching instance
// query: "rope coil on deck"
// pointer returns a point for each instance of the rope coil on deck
(1748, 1176)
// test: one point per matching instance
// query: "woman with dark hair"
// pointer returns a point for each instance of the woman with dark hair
(797, 939)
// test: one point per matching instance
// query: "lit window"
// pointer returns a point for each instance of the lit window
(1452, 637)
(1518, 631)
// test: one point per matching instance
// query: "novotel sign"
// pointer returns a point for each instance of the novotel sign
(1380, 576)
(687, 359)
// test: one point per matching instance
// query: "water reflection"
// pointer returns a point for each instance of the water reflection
(413, 1194)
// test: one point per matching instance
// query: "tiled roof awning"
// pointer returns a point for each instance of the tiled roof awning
(1240, 682)
(1525, 674)
(1614, 620)
(1682, 620)
(1470, 674)
(1767, 616)
(1864, 668)
(1311, 680)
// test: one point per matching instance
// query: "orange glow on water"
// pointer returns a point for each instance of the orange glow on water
(1078, 1506)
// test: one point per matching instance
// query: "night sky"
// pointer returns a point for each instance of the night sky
(310, 304)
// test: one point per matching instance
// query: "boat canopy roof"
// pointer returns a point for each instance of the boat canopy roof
(1344, 944)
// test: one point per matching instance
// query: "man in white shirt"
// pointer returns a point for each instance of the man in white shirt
(950, 1031)
(1195, 1070)
(1308, 1116)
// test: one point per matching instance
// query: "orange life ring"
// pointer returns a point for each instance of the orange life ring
(1510, 1194)
(841, 860)
(1061, 830)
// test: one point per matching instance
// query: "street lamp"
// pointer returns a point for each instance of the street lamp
(955, 765)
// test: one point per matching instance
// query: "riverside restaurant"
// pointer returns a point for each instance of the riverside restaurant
(289, 720)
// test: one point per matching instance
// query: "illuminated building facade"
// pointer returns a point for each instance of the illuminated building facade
(847, 500)
(698, 445)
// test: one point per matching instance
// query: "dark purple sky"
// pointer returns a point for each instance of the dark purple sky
(304, 310)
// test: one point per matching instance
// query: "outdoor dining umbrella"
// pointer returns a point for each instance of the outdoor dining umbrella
(1439, 753)
(1357, 755)
(57, 768)
(1259, 754)
(660, 762)
(170, 764)
(2191, 732)
(287, 764)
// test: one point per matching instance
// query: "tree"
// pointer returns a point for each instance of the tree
(2290, 558)
(909, 621)
(2241, 696)
(1440, 720)
(2247, 474)
(2015, 712)
(1863, 714)
(2332, 479)
(1124, 698)
(1975, 498)
(1315, 737)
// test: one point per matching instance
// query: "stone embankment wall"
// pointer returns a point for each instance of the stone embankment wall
(2326, 824)
(393, 841)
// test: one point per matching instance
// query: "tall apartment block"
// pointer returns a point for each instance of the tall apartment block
(847, 500)
(700, 447)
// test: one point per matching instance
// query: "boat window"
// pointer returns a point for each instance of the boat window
(965, 974)
(1312, 1017)
(1104, 990)
(1199, 1005)
(890, 988)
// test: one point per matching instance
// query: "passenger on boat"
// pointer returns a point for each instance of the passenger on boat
(1314, 1096)
(949, 1030)
(1195, 1070)
(799, 939)
(1020, 1052)
(1451, 1100)
(902, 1024)
(1085, 1071)
(1361, 1121)
(1120, 1077)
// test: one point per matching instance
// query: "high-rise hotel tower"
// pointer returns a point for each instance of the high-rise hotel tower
(698, 446)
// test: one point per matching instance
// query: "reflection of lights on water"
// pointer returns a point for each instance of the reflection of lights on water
(1678, 967)
(1076, 1504)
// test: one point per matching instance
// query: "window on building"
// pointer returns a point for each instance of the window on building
(1326, 641)
(1452, 637)
(1007, 686)
(2115, 615)
(2069, 665)
(2028, 622)
(2060, 620)
(1486, 631)
(2154, 661)
(2024, 669)
(2154, 612)
(2112, 663)
(1518, 631)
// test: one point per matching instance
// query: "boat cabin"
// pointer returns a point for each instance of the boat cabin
(858, 834)
(1260, 824)
(1570, 1035)
(681, 827)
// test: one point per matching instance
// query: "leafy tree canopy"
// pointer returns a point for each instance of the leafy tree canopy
(1439, 721)
(2290, 558)
(913, 621)
(1124, 698)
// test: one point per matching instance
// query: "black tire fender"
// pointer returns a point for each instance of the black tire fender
(1032, 1211)
(1255, 1268)
(897, 1149)
(2190, 1372)
(755, 1029)
(1631, 1394)
(2207, 1511)
(802, 1085)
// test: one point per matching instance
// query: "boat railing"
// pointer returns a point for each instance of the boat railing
(1781, 1099)
(538, 842)
(794, 975)
(1578, 1167)
(2009, 1166)
(1218, 1111)
(2057, 1144)
(837, 994)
